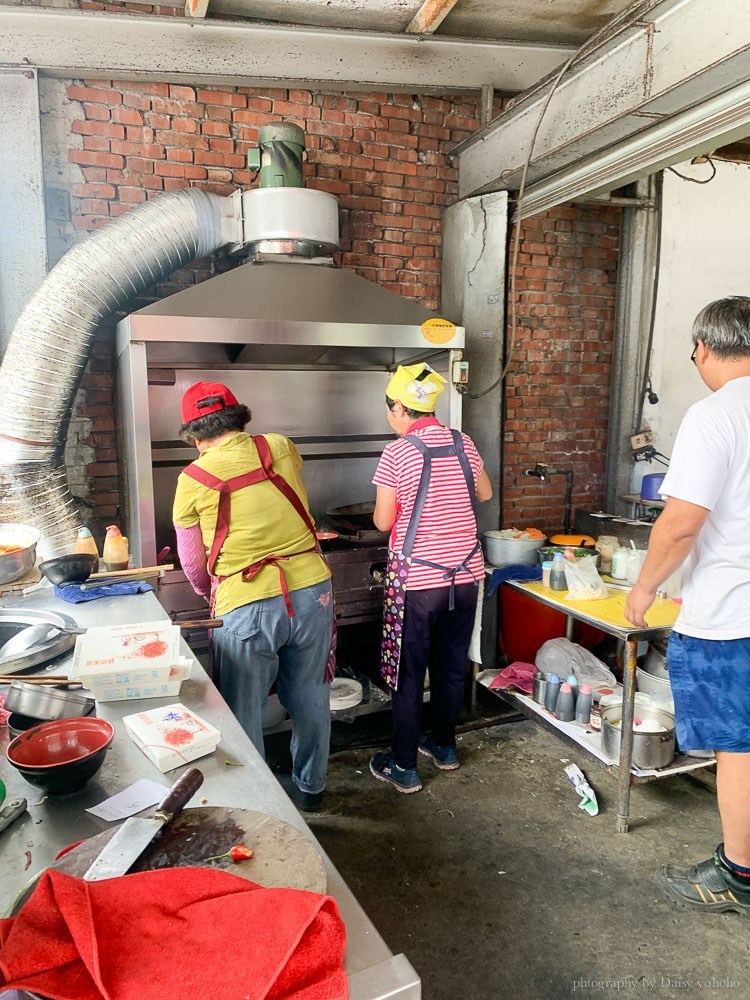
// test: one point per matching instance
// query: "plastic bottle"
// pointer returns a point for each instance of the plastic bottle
(565, 708)
(619, 568)
(553, 689)
(573, 681)
(557, 576)
(115, 553)
(583, 705)
(546, 572)
(85, 543)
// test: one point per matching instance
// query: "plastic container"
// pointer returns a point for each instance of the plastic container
(115, 553)
(583, 705)
(546, 573)
(565, 707)
(636, 558)
(619, 568)
(557, 574)
(552, 692)
(86, 545)
(512, 551)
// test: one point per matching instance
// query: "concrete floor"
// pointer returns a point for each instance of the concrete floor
(494, 883)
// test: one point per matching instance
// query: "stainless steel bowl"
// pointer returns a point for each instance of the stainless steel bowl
(14, 565)
(47, 703)
(650, 750)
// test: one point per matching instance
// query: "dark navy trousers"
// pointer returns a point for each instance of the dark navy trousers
(437, 640)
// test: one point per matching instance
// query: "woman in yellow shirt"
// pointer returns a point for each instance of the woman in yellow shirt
(246, 538)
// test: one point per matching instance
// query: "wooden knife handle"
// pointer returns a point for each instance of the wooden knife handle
(179, 794)
(201, 623)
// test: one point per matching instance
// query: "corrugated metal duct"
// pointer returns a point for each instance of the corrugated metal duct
(49, 347)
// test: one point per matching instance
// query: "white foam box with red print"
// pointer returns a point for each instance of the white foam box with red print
(140, 660)
(172, 735)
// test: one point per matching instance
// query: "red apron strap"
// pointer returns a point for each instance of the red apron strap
(264, 453)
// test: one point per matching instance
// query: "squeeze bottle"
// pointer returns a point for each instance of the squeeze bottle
(115, 553)
(85, 543)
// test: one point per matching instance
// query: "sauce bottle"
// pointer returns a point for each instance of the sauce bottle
(85, 543)
(565, 707)
(115, 553)
(557, 575)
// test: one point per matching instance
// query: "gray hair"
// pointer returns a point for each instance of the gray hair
(724, 327)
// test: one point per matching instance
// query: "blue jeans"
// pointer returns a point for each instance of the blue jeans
(259, 644)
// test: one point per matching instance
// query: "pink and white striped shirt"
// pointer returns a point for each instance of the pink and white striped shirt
(447, 529)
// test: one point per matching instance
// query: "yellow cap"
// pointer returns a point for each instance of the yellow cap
(414, 392)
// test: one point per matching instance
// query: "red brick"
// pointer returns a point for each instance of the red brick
(92, 159)
(127, 116)
(94, 95)
(97, 112)
(220, 97)
(96, 143)
(94, 191)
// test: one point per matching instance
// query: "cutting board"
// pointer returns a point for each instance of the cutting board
(283, 855)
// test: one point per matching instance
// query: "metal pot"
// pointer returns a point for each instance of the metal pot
(650, 750)
(47, 703)
(14, 565)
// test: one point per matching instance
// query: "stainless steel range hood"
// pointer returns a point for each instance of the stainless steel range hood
(289, 303)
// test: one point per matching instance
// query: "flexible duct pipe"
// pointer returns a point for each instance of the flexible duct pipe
(49, 347)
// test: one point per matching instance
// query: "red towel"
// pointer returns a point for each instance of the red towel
(191, 933)
(518, 675)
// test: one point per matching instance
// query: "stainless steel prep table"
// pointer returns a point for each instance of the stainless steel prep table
(374, 972)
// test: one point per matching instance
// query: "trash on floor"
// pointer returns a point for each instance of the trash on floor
(588, 795)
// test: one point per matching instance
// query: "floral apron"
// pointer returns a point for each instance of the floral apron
(397, 570)
(225, 488)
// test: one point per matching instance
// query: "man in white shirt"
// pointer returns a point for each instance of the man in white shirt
(706, 526)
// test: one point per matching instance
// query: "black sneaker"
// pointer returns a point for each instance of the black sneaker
(710, 886)
(404, 779)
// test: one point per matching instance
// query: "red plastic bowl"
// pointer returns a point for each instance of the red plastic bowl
(61, 756)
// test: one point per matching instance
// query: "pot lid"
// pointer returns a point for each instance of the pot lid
(12, 620)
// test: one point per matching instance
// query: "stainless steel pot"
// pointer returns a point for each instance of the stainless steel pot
(13, 620)
(47, 703)
(14, 565)
(650, 750)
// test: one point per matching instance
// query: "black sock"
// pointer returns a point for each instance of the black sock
(738, 870)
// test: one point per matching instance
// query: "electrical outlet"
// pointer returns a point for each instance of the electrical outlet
(643, 454)
(643, 439)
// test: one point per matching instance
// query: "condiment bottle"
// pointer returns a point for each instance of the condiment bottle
(115, 553)
(565, 708)
(583, 705)
(573, 681)
(85, 543)
(553, 689)
(557, 575)
(546, 572)
(620, 563)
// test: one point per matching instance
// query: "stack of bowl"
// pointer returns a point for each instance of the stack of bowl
(30, 704)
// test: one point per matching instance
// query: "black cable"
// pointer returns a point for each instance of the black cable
(696, 180)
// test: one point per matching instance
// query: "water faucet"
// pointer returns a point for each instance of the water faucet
(540, 470)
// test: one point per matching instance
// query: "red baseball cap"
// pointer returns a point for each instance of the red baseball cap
(204, 398)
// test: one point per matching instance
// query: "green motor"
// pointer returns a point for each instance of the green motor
(278, 155)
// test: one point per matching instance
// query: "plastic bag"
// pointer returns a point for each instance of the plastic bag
(583, 580)
(562, 657)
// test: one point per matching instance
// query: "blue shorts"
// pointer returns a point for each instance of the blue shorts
(710, 681)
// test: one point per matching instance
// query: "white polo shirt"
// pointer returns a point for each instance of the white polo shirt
(710, 467)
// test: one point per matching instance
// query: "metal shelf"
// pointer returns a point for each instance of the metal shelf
(590, 741)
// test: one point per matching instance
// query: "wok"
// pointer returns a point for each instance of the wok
(356, 519)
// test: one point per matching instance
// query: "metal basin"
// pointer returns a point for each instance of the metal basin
(47, 703)
(650, 750)
(14, 565)
(12, 620)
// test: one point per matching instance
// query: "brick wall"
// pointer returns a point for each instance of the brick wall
(558, 386)
(384, 156)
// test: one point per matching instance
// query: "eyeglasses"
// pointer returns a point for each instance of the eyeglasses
(692, 356)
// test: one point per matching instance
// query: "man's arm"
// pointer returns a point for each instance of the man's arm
(672, 537)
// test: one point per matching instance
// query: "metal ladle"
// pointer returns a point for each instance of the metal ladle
(32, 636)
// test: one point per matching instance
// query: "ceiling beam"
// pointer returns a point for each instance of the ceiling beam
(70, 43)
(650, 66)
(196, 8)
(430, 16)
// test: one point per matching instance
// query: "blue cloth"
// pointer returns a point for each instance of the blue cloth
(710, 681)
(73, 594)
(525, 573)
(259, 644)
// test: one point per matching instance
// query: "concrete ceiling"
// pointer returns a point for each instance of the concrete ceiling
(543, 21)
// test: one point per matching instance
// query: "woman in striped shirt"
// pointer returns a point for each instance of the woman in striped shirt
(428, 483)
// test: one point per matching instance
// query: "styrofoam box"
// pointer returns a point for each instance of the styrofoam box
(149, 731)
(132, 692)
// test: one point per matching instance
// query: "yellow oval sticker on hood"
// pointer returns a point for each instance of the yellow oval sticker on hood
(438, 331)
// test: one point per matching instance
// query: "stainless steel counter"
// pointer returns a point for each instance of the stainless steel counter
(374, 972)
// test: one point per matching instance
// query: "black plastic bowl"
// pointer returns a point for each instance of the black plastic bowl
(61, 756)
(75, 568)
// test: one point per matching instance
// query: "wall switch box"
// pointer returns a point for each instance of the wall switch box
(641, 440)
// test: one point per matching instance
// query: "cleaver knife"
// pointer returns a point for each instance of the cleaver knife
(135, 834)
